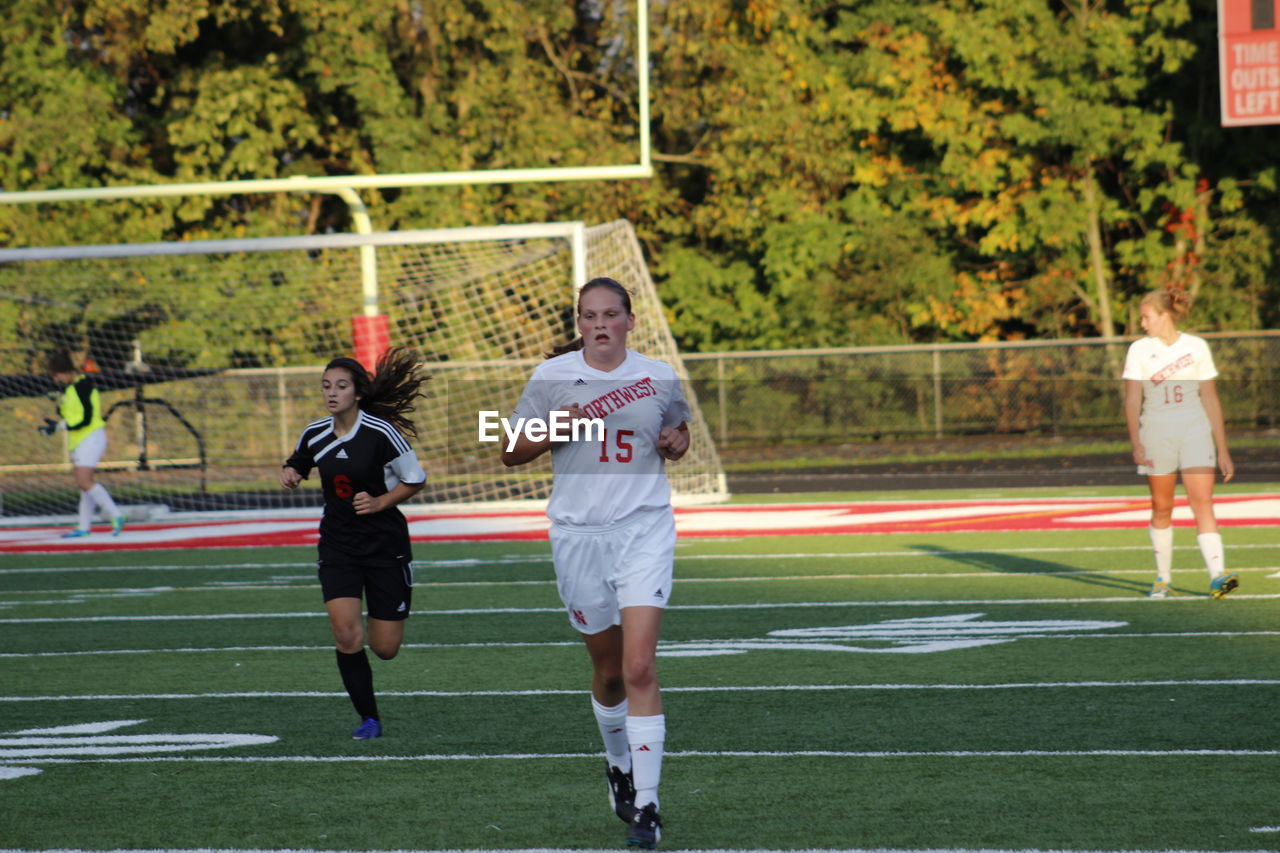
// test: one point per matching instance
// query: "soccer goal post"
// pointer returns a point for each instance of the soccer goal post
(209, 355)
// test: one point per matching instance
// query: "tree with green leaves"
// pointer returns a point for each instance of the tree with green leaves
(826, 174)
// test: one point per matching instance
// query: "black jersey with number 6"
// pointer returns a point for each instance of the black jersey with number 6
(372, 457)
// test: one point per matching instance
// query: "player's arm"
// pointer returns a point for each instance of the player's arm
(527, 449)
(1132, 415)
(366, 504)
(673, 442)
(1217, 426)
(409, 477)
(296, 468)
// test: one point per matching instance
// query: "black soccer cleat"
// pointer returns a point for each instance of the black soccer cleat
(622, 792)
(646, 828)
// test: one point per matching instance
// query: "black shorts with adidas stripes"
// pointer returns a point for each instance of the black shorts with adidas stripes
(386, 588)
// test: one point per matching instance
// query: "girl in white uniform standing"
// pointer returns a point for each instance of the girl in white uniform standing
(613, 530)
(1175, 424)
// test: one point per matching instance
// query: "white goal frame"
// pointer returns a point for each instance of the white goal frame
(584, 252)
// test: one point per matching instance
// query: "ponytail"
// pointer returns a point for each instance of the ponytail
(1174, 301)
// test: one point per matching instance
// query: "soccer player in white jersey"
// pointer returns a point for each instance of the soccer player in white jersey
(367, 469)
(613, 530)
(1175, 424)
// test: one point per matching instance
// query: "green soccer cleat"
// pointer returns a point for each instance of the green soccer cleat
(117, 525)
(1223, 584)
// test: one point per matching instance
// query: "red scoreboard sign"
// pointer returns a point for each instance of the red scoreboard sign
(1249, 61)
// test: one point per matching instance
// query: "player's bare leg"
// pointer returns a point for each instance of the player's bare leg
(646, 724)
(610, 707)
(640, 629)
(347, 621)
(1199, 485)
(386, 637)
(1161, 531)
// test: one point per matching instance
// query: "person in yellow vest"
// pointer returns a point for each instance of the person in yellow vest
(80, 409)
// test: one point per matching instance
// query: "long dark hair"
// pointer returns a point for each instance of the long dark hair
(390, 392)
(60, 362)
(595, 283)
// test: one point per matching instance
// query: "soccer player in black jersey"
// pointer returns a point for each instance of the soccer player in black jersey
(367, 469)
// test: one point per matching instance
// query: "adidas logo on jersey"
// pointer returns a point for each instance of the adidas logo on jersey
(658, 594)
(342, 454)
(402, 608)
(579, 381)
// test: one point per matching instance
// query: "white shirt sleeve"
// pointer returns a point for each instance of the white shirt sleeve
(677, 408)
(1132, 367)
(1204, 361)
(406, 469)
(534, 402)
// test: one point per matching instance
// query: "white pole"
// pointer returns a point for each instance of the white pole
(579, 242)
(332, 184)
(642, 70)
(368, 254)
(339, 183)
(280, 244)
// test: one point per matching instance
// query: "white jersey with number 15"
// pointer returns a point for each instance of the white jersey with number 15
(606, 479)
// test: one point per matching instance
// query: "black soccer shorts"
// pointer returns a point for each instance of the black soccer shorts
(387, 589)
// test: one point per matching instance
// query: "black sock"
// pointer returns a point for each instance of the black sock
(357, 677)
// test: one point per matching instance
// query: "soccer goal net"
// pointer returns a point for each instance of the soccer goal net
(209, 355)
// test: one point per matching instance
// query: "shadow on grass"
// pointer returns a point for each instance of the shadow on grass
(1013, 564)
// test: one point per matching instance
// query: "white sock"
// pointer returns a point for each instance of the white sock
(103, 499)
(646, 735)
(1162, 542)
(86, 510)
(613, 729)
(1211, 549)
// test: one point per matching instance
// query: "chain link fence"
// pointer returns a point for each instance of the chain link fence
(1053, 388)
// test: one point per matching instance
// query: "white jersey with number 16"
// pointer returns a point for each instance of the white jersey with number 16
(1170, 376)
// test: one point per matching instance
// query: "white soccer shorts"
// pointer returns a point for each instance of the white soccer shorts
(1177, 446)
(88, 453)
(600, 572)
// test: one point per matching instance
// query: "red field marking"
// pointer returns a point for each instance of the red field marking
(692, 522)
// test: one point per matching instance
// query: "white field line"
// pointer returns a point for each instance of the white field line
(543, 756)
(591, 850)
(1162, 635)
(510, 559)
(290, 583)
(506, 611)
(755, 688)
